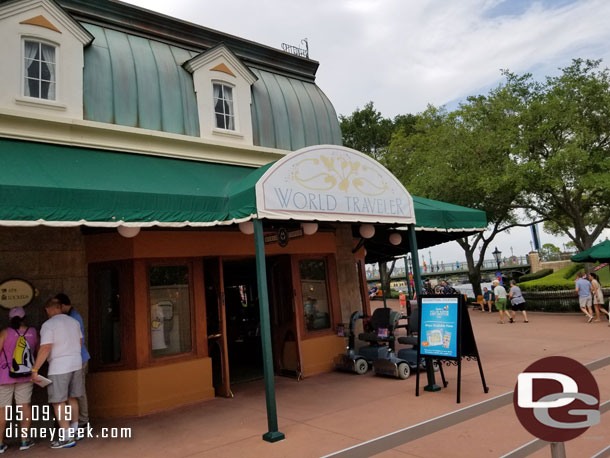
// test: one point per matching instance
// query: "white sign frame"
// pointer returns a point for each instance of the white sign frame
(332, 183)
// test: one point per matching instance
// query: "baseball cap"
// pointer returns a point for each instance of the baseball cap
(16, 311)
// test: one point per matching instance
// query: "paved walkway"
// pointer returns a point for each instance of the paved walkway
(329, 412)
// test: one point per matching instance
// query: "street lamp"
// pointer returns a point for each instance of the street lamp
(497, 256)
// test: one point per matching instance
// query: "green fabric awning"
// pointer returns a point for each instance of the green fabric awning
(436, 215)
(61, 185)
(599, 252)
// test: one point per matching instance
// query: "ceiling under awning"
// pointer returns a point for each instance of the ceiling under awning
(57, 185)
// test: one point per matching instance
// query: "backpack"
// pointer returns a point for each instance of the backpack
(23, 358)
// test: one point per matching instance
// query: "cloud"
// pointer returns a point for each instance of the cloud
(405, 54)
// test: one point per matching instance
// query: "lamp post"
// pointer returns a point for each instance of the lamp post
(497, 256)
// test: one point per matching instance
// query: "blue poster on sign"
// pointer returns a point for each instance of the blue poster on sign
(439, 327)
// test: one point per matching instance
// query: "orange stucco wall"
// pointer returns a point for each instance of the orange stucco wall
(142, 391)
(317, 353)
(167, 244)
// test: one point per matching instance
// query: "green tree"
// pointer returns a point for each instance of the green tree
(549, 252)
(368, 131)
(565, 151)
(466, 157)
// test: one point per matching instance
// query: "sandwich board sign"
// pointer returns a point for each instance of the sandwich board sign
(445, 334)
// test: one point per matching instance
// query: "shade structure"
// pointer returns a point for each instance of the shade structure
(597, 253)
(65, 186)
(60, 185)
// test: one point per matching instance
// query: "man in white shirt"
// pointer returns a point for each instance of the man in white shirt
(500, 294)
(60, 343)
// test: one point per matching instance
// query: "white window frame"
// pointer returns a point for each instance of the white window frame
(219, 130)
(23, 70)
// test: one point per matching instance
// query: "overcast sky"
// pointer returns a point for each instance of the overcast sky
(405, 54)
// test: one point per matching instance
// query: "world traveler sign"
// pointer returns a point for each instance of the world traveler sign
(332, 183)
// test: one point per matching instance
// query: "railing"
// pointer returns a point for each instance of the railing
(441, 267)
(401, 437)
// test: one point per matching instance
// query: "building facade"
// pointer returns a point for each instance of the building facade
(114, 119)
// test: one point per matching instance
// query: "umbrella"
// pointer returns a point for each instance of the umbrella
(597, 253)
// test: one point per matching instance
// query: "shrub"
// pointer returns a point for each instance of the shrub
(563, 279)
(536, 275)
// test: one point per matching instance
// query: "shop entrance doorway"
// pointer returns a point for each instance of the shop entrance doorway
(233, 320)
(243, 320)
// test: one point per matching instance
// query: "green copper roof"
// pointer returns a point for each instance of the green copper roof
(139, 82)
(290, 114)
(136, 82)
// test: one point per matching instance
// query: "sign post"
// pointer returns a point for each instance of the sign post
(445, 334)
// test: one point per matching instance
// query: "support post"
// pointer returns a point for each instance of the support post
(409, 291)
(414, 260)
(431, 386)
(383, 291)
(273, 435)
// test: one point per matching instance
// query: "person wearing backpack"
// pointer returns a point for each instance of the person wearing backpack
(18, 343)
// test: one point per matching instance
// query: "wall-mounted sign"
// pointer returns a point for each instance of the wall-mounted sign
(332, 183)
(283, 236)
(16, 293)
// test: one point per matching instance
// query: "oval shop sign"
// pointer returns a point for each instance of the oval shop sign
(16, 293)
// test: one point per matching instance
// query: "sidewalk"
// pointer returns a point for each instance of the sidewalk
(328, 412)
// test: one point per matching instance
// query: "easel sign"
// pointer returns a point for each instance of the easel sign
(445, 335)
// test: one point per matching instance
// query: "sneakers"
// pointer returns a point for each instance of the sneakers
(510, 320)
(25, 444)
(590, 318)
(67, 443)
(3, 448)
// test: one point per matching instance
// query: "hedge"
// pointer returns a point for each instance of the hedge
(561, 280)
(536, 275)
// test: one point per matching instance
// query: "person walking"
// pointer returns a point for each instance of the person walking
(517, 302)
(598, 297)
(500, 294)
(60, 343)
(17, 359)
(583, 289)
(488, 298)
(83, 406)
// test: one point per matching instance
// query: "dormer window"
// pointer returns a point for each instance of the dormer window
(223, 106)
(39, 70)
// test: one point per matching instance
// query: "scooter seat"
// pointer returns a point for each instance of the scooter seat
(409, 340)
(373, 337)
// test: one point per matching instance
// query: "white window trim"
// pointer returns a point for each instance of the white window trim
(23, 99)
(226, 132)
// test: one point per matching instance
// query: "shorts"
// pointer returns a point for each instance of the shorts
(21, 390)
(64, 386)
(501, 304)
(584, 301)
(517, 307)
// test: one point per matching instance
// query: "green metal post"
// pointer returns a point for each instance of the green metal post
(273, 435)
(414, 260)
(383, 292)
(409, 292)
(431, 386)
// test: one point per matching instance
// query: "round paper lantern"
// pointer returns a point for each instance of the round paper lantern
(309, 228)
(128, 232)
(367, 231)
(395, 238)
(247, 227)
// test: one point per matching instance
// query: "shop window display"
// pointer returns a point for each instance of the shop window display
(170, 310)
(316, 309)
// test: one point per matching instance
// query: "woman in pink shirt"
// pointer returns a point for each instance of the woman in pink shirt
(18, 387)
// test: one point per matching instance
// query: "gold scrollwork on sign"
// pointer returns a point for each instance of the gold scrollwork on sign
(340, 173)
